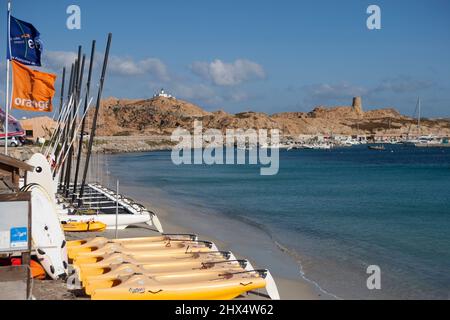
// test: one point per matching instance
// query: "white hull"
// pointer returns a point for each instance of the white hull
(47, 234)
(135, 209)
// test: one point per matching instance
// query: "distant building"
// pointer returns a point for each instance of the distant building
(163, 94)
(39, 127)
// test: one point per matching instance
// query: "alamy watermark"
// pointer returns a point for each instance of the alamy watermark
(374, 20)
(237, 146)
(374, 280)
(73, 21)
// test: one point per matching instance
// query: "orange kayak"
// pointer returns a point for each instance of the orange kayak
(90, 226)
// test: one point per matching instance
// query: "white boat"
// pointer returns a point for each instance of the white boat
(46, 233)
(133, 208)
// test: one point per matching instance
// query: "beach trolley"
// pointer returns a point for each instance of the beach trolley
(15, 231)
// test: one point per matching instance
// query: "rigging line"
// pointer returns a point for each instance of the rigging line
(61, 121)
(77, 129)
(74, 138)
(62, 132)
(58, 122)
(57, 130)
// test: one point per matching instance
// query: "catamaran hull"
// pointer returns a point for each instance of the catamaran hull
(47, 234)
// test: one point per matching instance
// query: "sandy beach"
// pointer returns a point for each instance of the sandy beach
(290, 284)
(290, 289)
(177, 219)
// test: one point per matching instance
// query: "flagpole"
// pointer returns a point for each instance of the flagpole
(8, 39)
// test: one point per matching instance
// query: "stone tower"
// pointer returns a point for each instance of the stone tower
(357, 105)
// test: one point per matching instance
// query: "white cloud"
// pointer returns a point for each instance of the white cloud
(122, 66)
(56, 60)
(325, 93)
(228, 74)
(129, 67)
(402, 84)
(196, 92)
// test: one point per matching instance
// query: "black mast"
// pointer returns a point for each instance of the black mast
(62, 91)
(79, 81)
(94, 121)
(83, 123)
(66, 125)
(72, 112)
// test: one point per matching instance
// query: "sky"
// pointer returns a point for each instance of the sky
(265, 56)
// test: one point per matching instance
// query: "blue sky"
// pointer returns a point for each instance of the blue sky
(268, 56)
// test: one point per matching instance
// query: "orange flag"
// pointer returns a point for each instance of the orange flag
(32, 90)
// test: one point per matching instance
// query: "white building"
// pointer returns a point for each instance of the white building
(163, 94)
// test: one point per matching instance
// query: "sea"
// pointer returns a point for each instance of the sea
(332, 214)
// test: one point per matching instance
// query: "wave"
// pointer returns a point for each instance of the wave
(285, 249)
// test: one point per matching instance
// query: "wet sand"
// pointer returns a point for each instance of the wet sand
(227, 234)
(290, 289)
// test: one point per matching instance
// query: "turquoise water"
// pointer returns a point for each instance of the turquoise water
(338, 211)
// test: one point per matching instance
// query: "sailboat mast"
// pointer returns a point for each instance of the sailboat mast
(418, 120)
(66, 127)
(94, 119)
(73, 132)
(83, 123)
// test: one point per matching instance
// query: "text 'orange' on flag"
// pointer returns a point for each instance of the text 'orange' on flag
(32, 90)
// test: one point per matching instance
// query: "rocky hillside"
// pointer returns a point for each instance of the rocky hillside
(160, 116)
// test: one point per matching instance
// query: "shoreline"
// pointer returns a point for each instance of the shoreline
(291, 284)
(291, 287)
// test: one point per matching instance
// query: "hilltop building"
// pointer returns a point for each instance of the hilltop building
(163, 94)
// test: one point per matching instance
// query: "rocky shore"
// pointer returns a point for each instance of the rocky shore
(161, 116)
(23, 153)
(125, 144)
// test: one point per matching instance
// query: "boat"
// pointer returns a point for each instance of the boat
(42, 175)
(47, 235)
(152, 264)
(104, 204)
(37, 271)
(377, 148)
(109, 258)
(95, 241)
(432, 142)
(141, 287)
(413, 141)
(90, 226)
(143, 249)
(167, 242)
(123, 220)
(167, 245)
(108, 279)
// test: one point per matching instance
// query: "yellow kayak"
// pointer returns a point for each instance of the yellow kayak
(150, 264)
(90, 226)
(93, 242)
(109, 279)
(141, 287)
(179, 247)
(82, 259)
(74, 252)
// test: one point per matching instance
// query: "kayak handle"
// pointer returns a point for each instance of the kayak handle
(206, 265)
(262, 273)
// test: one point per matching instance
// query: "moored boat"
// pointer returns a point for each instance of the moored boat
(142, 287)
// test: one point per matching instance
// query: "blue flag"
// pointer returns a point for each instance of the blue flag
(26, 46)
